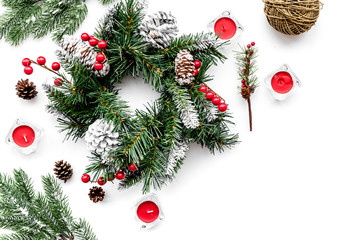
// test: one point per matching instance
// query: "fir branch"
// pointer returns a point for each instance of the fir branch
(32, 216)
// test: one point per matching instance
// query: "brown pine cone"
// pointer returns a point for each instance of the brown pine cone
(26, 90)
(245, 92)
(96, 194)
(184, 67)
(63, 170)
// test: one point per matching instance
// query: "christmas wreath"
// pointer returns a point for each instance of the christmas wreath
(150, 145)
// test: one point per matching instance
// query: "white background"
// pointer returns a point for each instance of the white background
(296, 176)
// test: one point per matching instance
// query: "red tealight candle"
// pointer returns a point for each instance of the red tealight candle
(282, 82)
(23, 136)
(148, 212)
(225, 27)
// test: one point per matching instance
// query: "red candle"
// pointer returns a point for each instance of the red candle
(23, 136)
(148, 212)
(226, 27)
(282, 82)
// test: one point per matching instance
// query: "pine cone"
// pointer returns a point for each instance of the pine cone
(184, 67)
(26, 90)
(96, 194)
(159, 29)
(245, 92)
(73, 48)
(63, 170)
(100, 137)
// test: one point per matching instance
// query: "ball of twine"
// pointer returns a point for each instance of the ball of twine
(292, 17)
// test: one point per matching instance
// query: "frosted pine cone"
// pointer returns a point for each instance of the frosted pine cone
(100, 137)
(159, 29)
(184, 67)
(73, 48)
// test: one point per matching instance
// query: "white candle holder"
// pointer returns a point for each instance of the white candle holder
(229, 18)
(278, 87)
(36, 130)
(139, 208)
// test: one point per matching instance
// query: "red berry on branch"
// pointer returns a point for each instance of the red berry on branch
(203, 88)
(41, 60)
(243, 85)
(209, 95)
(98, 66)
(85, 178)
(93, 41)
(248, 46)
(222, 107)
(244, 70)
(58, 82)
(243, 81)
(102, 44)
(26, 62)
(100, 57)
(85, 37)
(101, 181)
(28, 70)
(252, 52)
(196, 71)
(249, 63)
(91, 36)
(216, 100)
(120, 176)
(252, 43)
(133, 167)
(55, 66)
(197, 63)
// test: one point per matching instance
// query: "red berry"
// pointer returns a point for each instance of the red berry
(58, 82)
(120, 175)
(248, 46)
(209, 95)
(28, 70)
(85, 178)
(222, 107)
(203, 88)
(93, 41)
(41, 60)
(102, 44)
(243, 81)
(98, 66)
(26, 62)
(85, 37)
(133, 167)
(216, 100)
(249, 63)
(244, 70)
(196, 71)
(101, 181)
(252, 52)
(55, 66)
(243, 85)
(100, 57)
(197, 63)
(91, 36)
(252, 43)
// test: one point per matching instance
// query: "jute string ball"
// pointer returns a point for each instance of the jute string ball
(292, 17)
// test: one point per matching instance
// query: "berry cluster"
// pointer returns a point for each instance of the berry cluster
(55, 66)
(212, 96)
(100, 57)
(119, 176)
(26, 62)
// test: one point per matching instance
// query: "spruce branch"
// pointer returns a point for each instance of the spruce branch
(33, 215)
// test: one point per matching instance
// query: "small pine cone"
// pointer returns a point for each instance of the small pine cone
(184, 67)
(26, 90)
(245, 92)
(159, 29)
(63, 170)
(96, 194)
